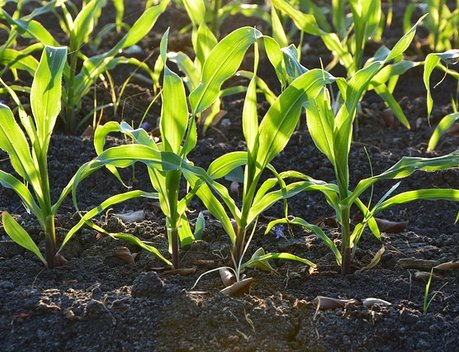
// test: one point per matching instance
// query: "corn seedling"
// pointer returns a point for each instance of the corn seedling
(264, 142)
(15, 60)
(214, 12)
(427, 301)
(175, 125)
(441, 23)
(167, 162)
(441, 61)
(79, 29)
(349, 41)
(204, 41)
(331, 132)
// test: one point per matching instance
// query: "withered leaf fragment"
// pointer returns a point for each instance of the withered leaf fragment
(238, 288)
(125, 255)
(325, 303)
(391, 226)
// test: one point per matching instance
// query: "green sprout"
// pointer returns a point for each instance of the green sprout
(81, 71)
(442, 23)
(348, 43)
(331, 131)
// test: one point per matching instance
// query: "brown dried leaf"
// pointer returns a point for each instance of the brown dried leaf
(205, 262)
(227, 277)
(423, 275)
(447, 266)
(125, 255)
(377, 257)
(325, 303)
(22, 316)
(239, 288)
(328, 221)
(391, 226)
(389, 118)
(70, 315)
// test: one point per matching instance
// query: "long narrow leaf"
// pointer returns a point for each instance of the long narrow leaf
(221, 64)
(19, 235)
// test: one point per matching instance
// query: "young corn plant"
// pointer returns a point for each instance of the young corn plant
(204, 41)
(12, 58)
(166, 159)
(441, 23)
(265, 141)
(348, 43)
(81, 71)
(178, 135)
(331, 132)
(441, 61)
(28, 156)
(29, 159)
(213, 13)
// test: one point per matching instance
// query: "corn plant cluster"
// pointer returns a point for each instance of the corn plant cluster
(191, 97)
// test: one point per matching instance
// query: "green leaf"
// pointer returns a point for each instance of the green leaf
(174, 111)
(45, 95)
(119, 7)
(432, 61)
(196, 10)
(404, 168)
(269, 256)
(33, 28)
(109, 202)
(404, 42)
(20, 60)
(11, 182)
(134, 240)
(249, 112)
(282, 117)
(421, 194)
(19, 235)
(200, 226)
(221, 64)
(321, 120)
(260, 264)
(278, 29)
(203, 45)
(226, 163)
(98, 64)
(310, 227)
(389, 99)
(306, 22)
(275, 56)
(186, 65)
(292, 65)
(445, 123)
(84, 24)
(14, 143)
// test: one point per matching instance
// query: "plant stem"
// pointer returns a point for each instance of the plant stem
(239, 248)
(173, 240)
(217, 6)
(346, 250)
(69, 98)
(441, 4)
(50, 240)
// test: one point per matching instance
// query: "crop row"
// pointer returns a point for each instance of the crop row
(191, 99)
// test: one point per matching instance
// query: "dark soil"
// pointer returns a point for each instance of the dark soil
(98, 302)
